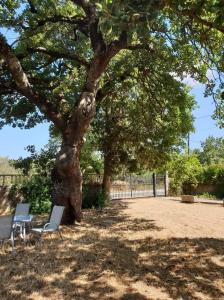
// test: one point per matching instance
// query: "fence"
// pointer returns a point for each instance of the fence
(8, 179)
(136, 186)
(122, 186)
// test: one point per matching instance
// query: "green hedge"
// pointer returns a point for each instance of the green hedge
(213, 174)
(186, 170)
(37, 191)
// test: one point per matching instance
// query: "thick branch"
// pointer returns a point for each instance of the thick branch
(194, 17)
(32, 7)
(24, 87)
(80, 23)
(60, 54)
(96, 36)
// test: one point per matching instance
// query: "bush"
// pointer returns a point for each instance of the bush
(36, 191)
(93, 196)
(213, 174)
(183, 169)
(207, 196)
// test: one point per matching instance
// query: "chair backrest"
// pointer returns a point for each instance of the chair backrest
(22, 209)
(56, 216)
(5, 227)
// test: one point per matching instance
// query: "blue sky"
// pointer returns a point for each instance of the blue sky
(204, 124)
(14, 140)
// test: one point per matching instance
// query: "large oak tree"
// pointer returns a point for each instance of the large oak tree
(55, 70)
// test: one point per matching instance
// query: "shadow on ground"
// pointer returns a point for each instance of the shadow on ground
(111, 256)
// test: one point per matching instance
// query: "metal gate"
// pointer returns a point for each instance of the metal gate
(136, 186)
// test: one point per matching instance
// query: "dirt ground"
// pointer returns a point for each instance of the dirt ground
(136, 249)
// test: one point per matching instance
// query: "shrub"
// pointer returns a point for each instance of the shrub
(213, 174)
(93, 196)
(36, 191)
(183, 169)
(207, 196)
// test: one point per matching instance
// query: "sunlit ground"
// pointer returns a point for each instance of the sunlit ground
(134, 249)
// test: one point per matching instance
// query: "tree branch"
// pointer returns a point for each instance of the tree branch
(32, 7)
(60, 54)
(194, 17)
(140, 47)
(24, 87)
(96, 36)
(80, 22)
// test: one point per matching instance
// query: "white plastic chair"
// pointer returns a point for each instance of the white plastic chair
(54, 222)
(6, 230)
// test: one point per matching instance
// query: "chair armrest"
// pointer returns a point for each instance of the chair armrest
(45, 226)
(48, 224)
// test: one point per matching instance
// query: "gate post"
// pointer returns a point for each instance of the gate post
(154, 184)
(131, 184)
(166, 184)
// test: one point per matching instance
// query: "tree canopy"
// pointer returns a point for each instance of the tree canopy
(140, 122)
(57, 69)
(56, 47)
(212, 151)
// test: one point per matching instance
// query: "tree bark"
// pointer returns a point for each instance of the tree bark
(107, 177)
(67, 175)
(67, 183)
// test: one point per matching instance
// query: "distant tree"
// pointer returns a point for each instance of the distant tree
(212, 151)
(56, 69)
(6, 166)
(141, 122)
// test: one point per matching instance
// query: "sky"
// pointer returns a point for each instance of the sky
(13, 141)
(204, 124)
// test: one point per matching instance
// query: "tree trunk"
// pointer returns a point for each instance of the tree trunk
(67, 184)
(107, 177)
(67, 175)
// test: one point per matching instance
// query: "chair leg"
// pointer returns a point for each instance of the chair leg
(2, 245)
(13, 244)
(59, 232)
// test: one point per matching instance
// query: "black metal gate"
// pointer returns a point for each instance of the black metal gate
(136, 186)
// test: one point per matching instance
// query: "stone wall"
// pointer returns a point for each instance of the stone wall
(203, 188)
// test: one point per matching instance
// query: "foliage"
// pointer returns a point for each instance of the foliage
(91, 159)
(6, 166)
(212, 151)
(213, 174)
(41, 162)
(207, 196)
(142, 121)
(187, 170)
(183, 169)
(93, 196)
(36, 191)
(184, 35)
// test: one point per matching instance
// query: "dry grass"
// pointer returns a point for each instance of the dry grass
(115, 255)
